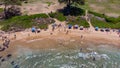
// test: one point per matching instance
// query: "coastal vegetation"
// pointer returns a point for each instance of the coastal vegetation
(103, 24)
(107, 22)
(77, 21)
(1, 10)
(72, 13)
(59, 16)
(23, 22)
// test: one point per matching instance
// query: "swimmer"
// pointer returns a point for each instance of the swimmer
(9, 55)
(2, 60)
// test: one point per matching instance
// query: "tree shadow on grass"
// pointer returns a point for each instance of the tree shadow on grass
(71, 10)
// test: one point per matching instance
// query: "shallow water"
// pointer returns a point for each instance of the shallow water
(102, 56)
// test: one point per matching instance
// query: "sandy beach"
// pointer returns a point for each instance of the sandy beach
(45, 40)
(27, 42)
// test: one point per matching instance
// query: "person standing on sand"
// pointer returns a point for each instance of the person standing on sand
(28, 34)
(67, 32)
(65, 27)
(81, 36)
(51, 33)
(14, 36)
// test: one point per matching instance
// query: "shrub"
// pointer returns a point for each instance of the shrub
(97, 14)
(52, 14)
(58, 16)
(1, 10)
(79, 21)
(23, 22)
(102, 24)
(108, 19)
(117, 25)
(42, 15)
(112, 19)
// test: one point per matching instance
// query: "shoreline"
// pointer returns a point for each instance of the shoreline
(88, 36)
(59, 39)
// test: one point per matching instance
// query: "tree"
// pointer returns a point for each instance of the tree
(7, 3)
(70, 2)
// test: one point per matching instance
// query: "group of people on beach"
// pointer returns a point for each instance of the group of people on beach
(59, 27)
(3, 47)
(5, 44)
(68, 27)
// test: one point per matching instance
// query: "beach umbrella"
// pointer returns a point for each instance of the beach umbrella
(69, 26)
(96, 28)
(76, 26)
(102, 30)
(107, 30)
(119, 30)
(33, 29)
(38, 30)
(81, 27)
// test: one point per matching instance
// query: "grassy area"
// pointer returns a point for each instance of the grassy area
(58, 16)
(107, 18)
(1, 10)
(23, 22)
(102, 24)
(79, 21)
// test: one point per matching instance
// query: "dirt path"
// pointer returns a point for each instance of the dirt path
(88, 20)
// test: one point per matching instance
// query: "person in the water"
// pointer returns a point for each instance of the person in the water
(2, 49)
(9, 55)
(3, 59)
(16, 66)
(12, 63)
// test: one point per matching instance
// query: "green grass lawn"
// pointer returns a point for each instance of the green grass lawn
(102, 24)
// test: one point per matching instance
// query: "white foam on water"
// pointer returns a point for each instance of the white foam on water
(83, 66)
(93, 55)
(58, 57)
(67, 66)
(58, 54)
(90, 49)
(93, 64)
(28, 57)
(35, 64)
(104, 56)
(34, 56)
